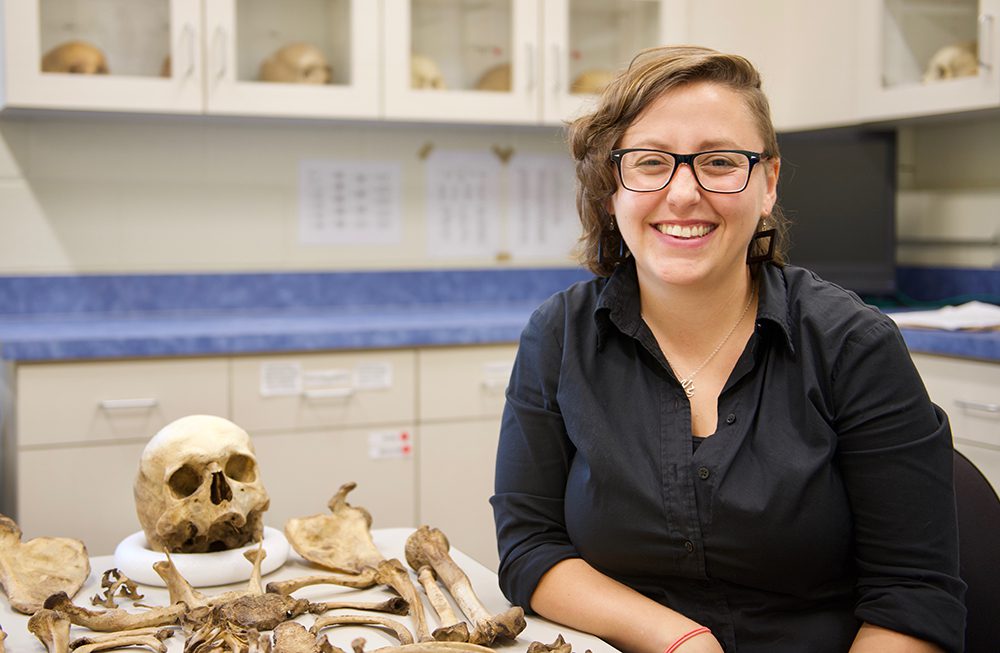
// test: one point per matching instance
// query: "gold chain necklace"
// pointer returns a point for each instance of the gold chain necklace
(688, 382)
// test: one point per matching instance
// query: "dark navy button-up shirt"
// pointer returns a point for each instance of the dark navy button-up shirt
(824, 498)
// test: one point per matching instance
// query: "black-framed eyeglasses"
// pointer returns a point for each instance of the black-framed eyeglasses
(718, 171)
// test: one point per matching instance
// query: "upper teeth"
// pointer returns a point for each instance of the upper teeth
(684, 232)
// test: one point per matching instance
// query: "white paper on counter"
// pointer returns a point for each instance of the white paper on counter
(971, 315)
(543, 220)
(463, 196)
(345, 202)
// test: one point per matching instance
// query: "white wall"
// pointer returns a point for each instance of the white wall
(121, 194)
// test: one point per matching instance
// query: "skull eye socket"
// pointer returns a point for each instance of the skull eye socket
(184, 482)
(241, 468)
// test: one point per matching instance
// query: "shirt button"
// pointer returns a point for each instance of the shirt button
(689, 546)
(730, 418)
(703, 473)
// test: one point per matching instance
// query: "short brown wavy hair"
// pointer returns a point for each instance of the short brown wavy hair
(593, 136)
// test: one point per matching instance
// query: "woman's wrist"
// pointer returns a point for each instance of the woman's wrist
(691, 634)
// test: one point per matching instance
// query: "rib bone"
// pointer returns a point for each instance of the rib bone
(402, 633)
(363, 580)
(429, 546)
(452, 628)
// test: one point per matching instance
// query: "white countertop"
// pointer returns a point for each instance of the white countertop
(389, 541)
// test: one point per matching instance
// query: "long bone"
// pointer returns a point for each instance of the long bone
(51, 628)
(363, 580)
(117, 619)
(429, 547)
(452, 628)
(149, 637)
(402, 632)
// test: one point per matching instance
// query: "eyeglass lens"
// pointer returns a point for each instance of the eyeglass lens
(722, 172)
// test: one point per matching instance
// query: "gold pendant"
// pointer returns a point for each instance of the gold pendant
(688, 385)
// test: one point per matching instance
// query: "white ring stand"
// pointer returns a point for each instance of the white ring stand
(135, 559)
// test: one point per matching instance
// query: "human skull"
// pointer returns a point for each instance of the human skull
(296, 63)
(199, 487)
(959, 60)
(424, 73)
(75, 57)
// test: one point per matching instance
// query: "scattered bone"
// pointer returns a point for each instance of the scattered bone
(452, 628)
(292, 637)
(364, 580)
(340, 541)
(429, 547)
(392, 573)
(52, 629)
(151, 638)
(261, 611)
(3, 636)
(117, 619)
(402, 633)
(394, 605)
(432, 647)
(115, 582)
(558, 646)
(31, 571)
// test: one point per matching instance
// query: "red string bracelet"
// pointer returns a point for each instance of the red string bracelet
(685, 637)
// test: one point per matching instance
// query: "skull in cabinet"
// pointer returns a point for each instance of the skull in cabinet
(199, 487)
(78, 57)
(296, 63)
(426, 74)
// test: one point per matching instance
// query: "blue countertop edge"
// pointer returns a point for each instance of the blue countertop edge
(53, 338)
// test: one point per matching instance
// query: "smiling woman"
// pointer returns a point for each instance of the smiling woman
(703, 448)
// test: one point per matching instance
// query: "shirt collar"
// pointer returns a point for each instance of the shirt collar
(618, 304)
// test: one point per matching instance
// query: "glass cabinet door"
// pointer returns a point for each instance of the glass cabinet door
(462, 60)
(921, 57)
(125, 55)
(588, 41)
(315, 58)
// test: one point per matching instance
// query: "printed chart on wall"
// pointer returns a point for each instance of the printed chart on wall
(349, 202)
(463, 195)
(543, 220)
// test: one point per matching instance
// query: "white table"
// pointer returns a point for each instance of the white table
(389, 541)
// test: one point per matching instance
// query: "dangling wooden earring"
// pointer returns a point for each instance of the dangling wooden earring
(771, 235)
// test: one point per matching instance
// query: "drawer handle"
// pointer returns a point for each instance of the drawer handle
(330, 393)
(978, 405)
(128, 404)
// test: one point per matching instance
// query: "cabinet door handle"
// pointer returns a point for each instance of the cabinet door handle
(329, 393)
(557, 70)
(219, 52)
(186, 46)
(986, 41)
(143, 403)
(981, 406)
(529, 53)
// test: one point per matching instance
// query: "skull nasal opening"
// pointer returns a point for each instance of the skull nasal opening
(220, 489)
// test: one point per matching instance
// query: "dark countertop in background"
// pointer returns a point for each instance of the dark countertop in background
(57, 318)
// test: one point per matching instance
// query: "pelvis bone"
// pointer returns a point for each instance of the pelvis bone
(32, 570)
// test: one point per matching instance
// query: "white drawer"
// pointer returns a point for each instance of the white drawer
(323, 390)
(302, 470)
(79, 492)
(969, 391)
(66, 403)
(464, 382)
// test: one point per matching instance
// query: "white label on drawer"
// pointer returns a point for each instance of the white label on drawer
(280, 379)
(332, 378)
(390, 444)
(496, 374)
(373, 376)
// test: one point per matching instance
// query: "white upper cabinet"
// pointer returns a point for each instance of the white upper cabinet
(308, 58)
(315, 58)
(141, 55)
(511, 61)
(927, 57)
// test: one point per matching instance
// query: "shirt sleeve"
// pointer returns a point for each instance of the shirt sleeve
(533, 460)
(895, 454)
